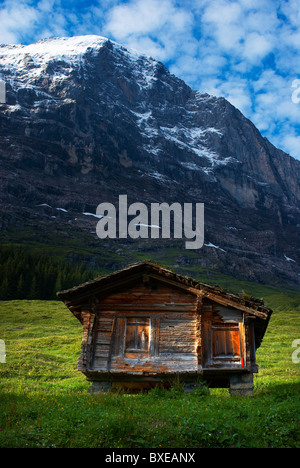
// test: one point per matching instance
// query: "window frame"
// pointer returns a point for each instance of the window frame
(230, 360)
(232, 357)
(118, 339)
(137, 352)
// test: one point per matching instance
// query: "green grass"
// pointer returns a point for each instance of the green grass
(44, 400)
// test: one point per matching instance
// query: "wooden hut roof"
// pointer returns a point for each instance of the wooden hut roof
(76, 296)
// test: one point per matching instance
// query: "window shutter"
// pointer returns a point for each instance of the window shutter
(226, 342)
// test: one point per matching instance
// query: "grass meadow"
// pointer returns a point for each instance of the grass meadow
(44, 400)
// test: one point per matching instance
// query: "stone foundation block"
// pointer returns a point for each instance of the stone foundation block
(100, 387)
(241, 385)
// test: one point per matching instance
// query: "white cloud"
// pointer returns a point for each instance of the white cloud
(222, 21)
(222, 12)
(155, 27)
(136, 18)
(291, 9)
(16, 16)
(257, 47)
(143, 17)
(291, 143)
(22, 21)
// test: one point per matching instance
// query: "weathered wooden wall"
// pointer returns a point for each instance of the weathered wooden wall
(174, 330)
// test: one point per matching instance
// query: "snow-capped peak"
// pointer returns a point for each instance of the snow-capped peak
(43, 51)
(25, 63)
(68, 49)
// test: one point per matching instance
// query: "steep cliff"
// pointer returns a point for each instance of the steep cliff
(87, 120)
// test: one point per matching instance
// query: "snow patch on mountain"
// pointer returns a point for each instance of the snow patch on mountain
(288, 259)
(188, 139)
(214, 246)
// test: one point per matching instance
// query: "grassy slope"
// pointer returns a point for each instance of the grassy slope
(43, 399)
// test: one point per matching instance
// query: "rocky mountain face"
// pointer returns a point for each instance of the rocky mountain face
(86, 120)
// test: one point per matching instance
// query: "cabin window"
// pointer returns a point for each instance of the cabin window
(223, 337)
(226, 343)
(137, 337)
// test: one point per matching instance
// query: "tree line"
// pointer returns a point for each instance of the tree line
(25, 275)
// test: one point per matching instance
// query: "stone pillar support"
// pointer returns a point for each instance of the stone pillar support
(241, 384)
(100, 387)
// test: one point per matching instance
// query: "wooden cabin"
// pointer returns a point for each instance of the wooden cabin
(145, 325)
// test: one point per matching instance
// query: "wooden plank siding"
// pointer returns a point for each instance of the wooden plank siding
(174, 330)
(187, 333)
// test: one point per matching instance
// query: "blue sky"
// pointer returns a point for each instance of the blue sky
(245, 50)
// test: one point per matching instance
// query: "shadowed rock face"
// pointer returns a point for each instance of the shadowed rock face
(86, 120)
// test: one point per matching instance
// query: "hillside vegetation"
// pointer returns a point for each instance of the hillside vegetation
(44, 400)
